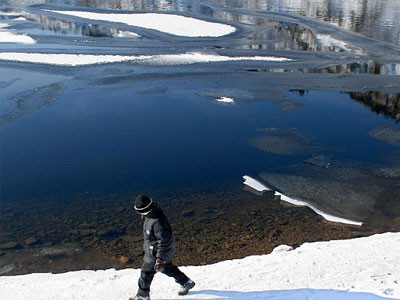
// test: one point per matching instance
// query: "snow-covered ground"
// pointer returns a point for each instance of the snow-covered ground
(358, 269)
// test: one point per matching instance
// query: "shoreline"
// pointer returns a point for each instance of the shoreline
(208, 227)
(305, 273)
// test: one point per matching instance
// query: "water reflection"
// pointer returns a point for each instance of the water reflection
(367, 67)
(387, 104)
(271, 34)
(373, 18)
(53, 26)
(381, 103)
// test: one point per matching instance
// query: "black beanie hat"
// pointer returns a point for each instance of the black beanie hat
(143, 204)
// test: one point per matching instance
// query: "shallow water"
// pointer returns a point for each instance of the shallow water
(76, 141)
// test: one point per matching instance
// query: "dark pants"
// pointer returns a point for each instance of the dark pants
(147, 275)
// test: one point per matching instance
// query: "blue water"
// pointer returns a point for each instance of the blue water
(104, 134)
(99, 140)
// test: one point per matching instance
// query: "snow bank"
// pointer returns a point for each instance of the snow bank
(258, 186)
(163, 59)
(168, 23)
(358, 269)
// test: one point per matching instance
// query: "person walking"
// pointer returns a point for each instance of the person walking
(159, 248)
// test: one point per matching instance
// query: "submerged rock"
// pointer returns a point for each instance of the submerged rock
(7, 269)
(10, 245)
(58, 251)
(31, 241)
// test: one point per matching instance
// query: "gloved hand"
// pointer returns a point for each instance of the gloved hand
(160, 265)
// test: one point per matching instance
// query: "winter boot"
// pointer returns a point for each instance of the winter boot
(186, 287)
(140, 298)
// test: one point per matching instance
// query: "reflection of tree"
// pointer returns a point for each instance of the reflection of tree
(373, 18)
(381, 103)
(385, 103)
(62, 27)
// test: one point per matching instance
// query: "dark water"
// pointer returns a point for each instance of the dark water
(78, 143)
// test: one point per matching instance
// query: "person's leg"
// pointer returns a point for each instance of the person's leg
(146, 277)
(172, 271)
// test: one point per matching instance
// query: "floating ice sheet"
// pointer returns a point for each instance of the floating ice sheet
(162, 59)
(386, 133)
(32, 100)
(10, 37)
(258, 186)
(255, 184)
(326, 216)
(168, 23)
(225, 100)
(284, 142)
(327, 40)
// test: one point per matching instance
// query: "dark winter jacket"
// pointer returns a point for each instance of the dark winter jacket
(159, 241)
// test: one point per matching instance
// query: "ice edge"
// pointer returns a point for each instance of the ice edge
(255, 184)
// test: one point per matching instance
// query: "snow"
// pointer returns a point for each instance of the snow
(225, 100)
(163, 59)
(253, 183)
(9, 37)
(328, 40)
(357, 269)
(168, 23)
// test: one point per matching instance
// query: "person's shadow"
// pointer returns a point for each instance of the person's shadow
(297, 294)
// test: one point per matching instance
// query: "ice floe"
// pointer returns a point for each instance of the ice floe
(255, 184)
(162, 59)
(167, 23)
(10, 37)
(225, 100)
(328, 40)
(258, 186)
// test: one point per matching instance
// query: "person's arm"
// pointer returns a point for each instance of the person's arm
(163, 234)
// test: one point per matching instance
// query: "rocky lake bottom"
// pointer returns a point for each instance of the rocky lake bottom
(97, 232)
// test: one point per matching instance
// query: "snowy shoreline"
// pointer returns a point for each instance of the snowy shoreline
(362, 269)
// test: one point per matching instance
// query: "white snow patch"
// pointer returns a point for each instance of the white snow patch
(163, 59)
(282, 248)
(7, 36)
(225, 100)
(66, 59)
(357, 269)
(168, 23)
(255, 184)
(327, 40)
(127, 34)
